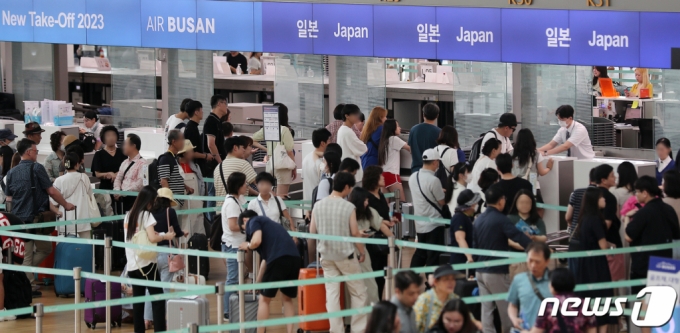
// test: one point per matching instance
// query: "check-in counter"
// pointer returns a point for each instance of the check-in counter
(582, 168)
(241, 113)
(556, 187)
(153, 141)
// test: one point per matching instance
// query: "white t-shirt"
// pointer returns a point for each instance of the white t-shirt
(324, 189)
(75, 188)
(254, 63)
(352, 147)
(271, 210)
(506, 145)
(230, 209)
(578, 136)
(172, 122)
(311, 174)
(482, 163)
(393, 162)
(450, 157)
(134, 263)
(454, 197)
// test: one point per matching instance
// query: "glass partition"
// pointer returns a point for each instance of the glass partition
(360, 81)
(299, 84)
(481, 93)
(190, 75)
(667, 109)
(133, 87)
(32, 72)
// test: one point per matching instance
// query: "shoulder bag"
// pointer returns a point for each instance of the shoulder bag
(40, 217)
(176, 262)
(283, 160)
(142, 238)
(444, 212)
(282, 219)
(560, 319)
(93, 208)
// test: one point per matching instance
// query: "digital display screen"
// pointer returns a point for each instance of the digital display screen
(605, 38)
(536, 36)
(343, 30)
(294, 32)
(466, 37)
(405, 31)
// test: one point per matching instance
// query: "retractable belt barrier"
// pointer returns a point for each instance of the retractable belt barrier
(505, 258)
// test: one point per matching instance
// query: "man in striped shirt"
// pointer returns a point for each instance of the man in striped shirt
(168, 167)
(234, 162)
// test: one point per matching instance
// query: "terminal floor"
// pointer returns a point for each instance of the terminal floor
(63, 321)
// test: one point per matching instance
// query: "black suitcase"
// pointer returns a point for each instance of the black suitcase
(464, 288)
(199, 242)
(99, 233)
(117, 232)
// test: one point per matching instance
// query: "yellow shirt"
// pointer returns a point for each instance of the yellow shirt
(286, 139)
(427, 309)
(635, 91)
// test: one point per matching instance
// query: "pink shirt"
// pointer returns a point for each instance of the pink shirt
(629, 205)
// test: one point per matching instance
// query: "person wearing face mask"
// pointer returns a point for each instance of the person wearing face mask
(572, 137)
(54, 159)
(92, 125)
(6, 152)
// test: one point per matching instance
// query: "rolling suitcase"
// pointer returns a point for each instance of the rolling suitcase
(252, 305)
(99, 234)
(117, 232)
(67, 256)
(312, 299)
(183, 311)
(408, 226)
(95, 290)
(202, 266)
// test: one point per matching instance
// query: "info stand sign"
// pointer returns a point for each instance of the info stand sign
(272, 129)
(666, 272)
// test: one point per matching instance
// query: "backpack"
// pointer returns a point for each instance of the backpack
(476, 150)
(154, 180)
(442, 173)
(315, 191)
(17, 291)
(88, 142)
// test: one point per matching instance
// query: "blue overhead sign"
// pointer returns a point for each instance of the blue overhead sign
(293, 32)
(658, 34)
(405, 31)
(536, 36)
(64, 22)
(605, 38)
(117, 26)
(16, 22)
(173, 26)
(343, 30)
(466, 37)
(233, 24)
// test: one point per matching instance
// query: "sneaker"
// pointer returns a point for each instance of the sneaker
(36, 294)
(226, 316)
(35, 287)
(6, 318)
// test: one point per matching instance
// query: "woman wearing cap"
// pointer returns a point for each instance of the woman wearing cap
(76, 189)
(193, 178)
(166, 219)
(107, 161)
(55, 159)
(92, 125)
(461, 225)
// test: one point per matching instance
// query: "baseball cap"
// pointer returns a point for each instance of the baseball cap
(466, 199)
(431, 155)
(32, 128)
(446, 270)
(507, 119)
(6, 134)
(69, 139)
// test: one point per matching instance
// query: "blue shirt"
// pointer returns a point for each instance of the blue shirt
(521, 295)
(276, 242)
(23, 196)
(421, 138)
(371, 156)
(492, 231)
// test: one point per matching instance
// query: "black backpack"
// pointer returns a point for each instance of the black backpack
(17, 291)
(88, 142)
(315, 191)
(476, 150)
(199, 242)
(442, 173)
(154, 180)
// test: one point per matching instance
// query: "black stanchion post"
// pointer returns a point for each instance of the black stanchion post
(38, 313)
(76, 281)
(107, 271)
(241, 293)
(219, 288)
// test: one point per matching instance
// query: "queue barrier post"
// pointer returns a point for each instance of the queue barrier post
(193, 328)
(107, 271)
(241, 293)
(76, 281)
(219, 289)
(39, 313)
(10, 254)
(389, 283)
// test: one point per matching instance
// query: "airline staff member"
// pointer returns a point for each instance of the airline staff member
(572, 137)
(642, 78)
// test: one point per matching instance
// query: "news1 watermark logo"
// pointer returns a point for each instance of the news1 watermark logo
(660, 305)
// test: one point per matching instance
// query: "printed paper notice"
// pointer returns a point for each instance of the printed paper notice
(272, 129)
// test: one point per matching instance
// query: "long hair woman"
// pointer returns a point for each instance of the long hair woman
(599, 72)
(524, 214)
(75, 188)
(389, 156)
(138, 218)
(447, 147)
(371, 134)
(383, 319)
(454, 318)
(456, 184)
(591, 234)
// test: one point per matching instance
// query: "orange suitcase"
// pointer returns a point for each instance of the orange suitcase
(312, 300)
(48, 263)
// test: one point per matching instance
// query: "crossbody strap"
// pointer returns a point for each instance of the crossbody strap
(224, 183)
(261, 207)
(279, 206)
(535, 287)
(435, 206)
(128, 169)
(33, 189)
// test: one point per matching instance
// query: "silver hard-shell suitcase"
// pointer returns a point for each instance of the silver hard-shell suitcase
(251, 303)
(184, 311)
(408, 226)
